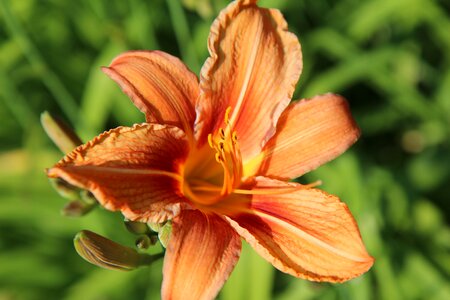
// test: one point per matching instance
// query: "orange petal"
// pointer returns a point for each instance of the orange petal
(309, 134)
(306, 233)
(202, 252)
(135, 170)
(253, 68)
(159, 84)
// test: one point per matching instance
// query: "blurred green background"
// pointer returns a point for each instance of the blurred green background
(390, 58)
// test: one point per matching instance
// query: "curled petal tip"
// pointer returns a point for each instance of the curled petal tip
(106, 70)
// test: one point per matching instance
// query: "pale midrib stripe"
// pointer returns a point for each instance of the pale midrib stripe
(287, 143)
(128, 171)
(310, 238)
(248, 73)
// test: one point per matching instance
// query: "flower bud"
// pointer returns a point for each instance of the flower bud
(61, 134)
(65, 189)
(76, 208)
(145, 241)
(87, 197)
(136, 227)
(105, 253)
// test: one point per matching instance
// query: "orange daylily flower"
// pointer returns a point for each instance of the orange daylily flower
(216, 155)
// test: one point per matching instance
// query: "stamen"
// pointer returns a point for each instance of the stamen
(237, 158)
(221, 147)
(268, 191)
(188, 192)
(210, 141)
(257, 191)
(234, 137)
(222, 133)
(224, 142)
(227, 115)
(207, 188)
(227, 181)
(198, 183)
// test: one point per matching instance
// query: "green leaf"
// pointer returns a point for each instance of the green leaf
(252, 278)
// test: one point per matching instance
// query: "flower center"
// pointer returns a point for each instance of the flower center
(214, 172)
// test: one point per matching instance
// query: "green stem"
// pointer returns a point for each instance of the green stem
(149, 259)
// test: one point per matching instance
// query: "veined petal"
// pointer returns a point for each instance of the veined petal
(159, 84)
(203, 250)
(309, 134)
(306, 233)
(253, 68)
(135, 170)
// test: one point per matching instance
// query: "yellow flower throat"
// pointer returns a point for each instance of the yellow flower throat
(214, 172)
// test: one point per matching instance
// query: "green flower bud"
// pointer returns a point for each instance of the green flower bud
(87, 197)
(76, 208)
(107, 254)
(143, 242)
(136, 227)
(61, 134)
(65, 189)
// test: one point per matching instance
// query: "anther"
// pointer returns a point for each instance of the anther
(210, 140)
(222, 133)
(221, 146)
(234, 137)
(227, 115)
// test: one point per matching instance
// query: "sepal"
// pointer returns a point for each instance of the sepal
(164, 234)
